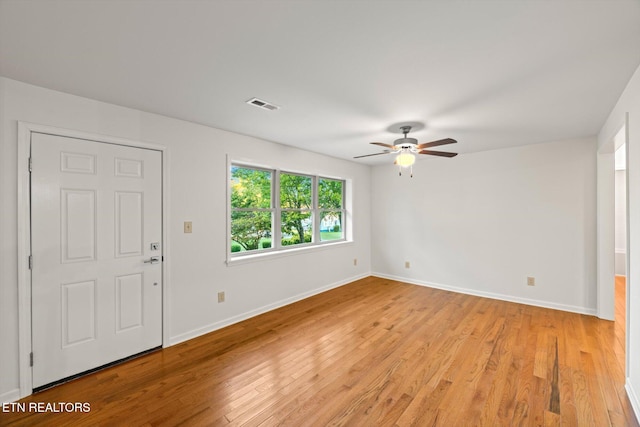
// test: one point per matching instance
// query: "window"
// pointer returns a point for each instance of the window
(296, 209)
(331, 208)
(273, 210)
(251, 209)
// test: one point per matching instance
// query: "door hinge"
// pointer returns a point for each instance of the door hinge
(31, 359)
(30, 165)
(30, 262)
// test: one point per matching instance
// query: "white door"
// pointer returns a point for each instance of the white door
(96, 215)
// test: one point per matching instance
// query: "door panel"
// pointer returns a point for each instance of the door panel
(96, 209)
(128, 233)
(78, 312)
(78, 222)
(129, 301)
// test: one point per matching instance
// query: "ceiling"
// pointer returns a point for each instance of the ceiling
(490, 74)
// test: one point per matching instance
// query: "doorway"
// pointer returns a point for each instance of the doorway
(92, 291)
(606, 233)
(620, 237)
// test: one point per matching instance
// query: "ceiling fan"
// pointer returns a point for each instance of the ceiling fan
(407, 148)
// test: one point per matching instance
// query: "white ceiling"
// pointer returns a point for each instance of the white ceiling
(490, 74)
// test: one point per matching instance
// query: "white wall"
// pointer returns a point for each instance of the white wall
(629, 102)
(197, 187)
(481, 223)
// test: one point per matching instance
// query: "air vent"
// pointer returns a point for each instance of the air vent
(262, 104)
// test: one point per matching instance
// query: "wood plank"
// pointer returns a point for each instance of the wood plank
(374, 352)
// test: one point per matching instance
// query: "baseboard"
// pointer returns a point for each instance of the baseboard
(10, 396)
(491, 295)
(633, 398)
(249, 314)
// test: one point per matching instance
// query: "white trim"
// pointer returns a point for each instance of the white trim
(633, 398)
(24, 235)
(10, 396)
(166, 249)
(70, 133)
(24, 250)
(227, 218)
(268, 255)
(491, 295)
(266, 308)
(627, 309)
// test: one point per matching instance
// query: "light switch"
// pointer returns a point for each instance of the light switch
(187, 227)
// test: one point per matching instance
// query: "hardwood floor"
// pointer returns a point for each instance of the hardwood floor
(372, 353)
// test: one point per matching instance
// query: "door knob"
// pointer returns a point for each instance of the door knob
(152, 260)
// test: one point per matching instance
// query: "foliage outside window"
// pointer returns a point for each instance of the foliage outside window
(296, 205)
(273, 210)
(251, 209)
(330, 204)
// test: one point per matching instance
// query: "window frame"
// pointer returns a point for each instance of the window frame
(310, 210)
(319, 209)
(277, 210)
(231, 209)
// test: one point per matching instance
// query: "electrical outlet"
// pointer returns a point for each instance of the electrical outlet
(188, 228)
(355, 261)
(220, 297)
(407, 264)
(531, 281)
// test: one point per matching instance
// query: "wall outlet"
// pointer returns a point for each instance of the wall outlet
(355, 261)
(220, 297)
(531, 281)
(188, 228)
(407, 264)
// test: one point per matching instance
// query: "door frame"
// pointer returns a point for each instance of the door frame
(605, 231)
(25, 130)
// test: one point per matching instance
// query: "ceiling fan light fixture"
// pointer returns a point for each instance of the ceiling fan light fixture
(405, 159)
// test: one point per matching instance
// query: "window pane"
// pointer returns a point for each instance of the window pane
(250, 188)
(295, 191)
(294, 225)
(331, 226)
(330, 193)
(250, 231)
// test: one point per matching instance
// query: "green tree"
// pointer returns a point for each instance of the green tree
(251, 216)
(329, 194)
(296, 202)
(330, 200)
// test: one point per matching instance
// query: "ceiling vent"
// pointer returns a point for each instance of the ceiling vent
(262, 104)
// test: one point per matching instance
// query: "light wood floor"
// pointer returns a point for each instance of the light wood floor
(372, 353)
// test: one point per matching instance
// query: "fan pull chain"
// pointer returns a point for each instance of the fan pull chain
(410, 169)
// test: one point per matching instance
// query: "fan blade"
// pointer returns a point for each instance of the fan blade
(436, 143)
(438, 153)
(374, 154)
(382, 144)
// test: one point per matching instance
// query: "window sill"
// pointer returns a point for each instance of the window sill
(245, 259)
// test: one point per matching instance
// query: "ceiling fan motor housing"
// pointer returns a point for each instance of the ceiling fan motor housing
(405, 142)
